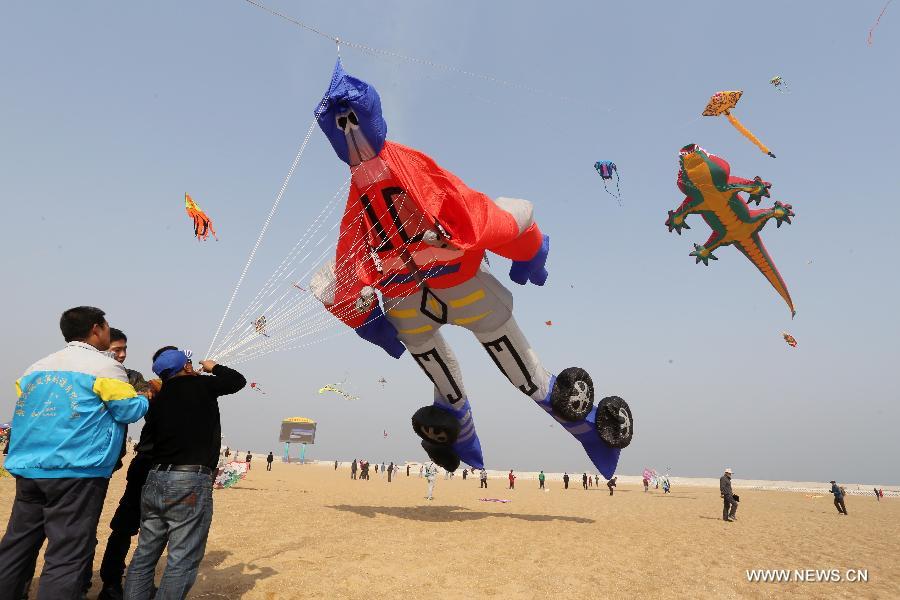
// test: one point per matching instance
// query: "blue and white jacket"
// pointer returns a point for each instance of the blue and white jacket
(71, 415)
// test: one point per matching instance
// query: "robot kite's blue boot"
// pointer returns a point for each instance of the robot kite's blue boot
(448, 435)
(603, 430)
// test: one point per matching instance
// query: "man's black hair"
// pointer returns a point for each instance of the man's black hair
(161, 350)
(76, 323)
(116, 335)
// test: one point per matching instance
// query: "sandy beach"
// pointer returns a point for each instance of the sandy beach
(308, 531)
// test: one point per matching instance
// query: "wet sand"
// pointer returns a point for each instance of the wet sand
(308, 531)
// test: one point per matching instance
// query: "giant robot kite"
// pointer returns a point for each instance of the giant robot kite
(416, 233)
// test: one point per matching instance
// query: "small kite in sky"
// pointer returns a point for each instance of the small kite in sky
(780, 84)
(721, 103)
(333, 387)
(791, 340)
(548, 323)
(606, 169)
(872, 30)
(260, 326)
(202, 224)
(255, 386)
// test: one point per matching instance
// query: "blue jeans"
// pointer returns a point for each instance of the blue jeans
(176, 509)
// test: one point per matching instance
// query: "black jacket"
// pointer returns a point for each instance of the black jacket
(725, 485)
(183, 419)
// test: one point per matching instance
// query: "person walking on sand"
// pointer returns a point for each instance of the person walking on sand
(541, 480)
(730, 502)
(611, 484)
(584, 480)
(248, 459)
(466, 473)
(646, 485)
(877, 496)
(353, 469)
(269, 460)
(390, 471)
(421, 467)
(839, 493)
(430, 477)
(566, 480)
(596, 480)
(483, 478)
(407, 469)
(512, 480)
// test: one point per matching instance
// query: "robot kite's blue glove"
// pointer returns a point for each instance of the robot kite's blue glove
(523, 271)
(381, 332)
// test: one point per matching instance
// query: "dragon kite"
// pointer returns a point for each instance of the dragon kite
(714, 194)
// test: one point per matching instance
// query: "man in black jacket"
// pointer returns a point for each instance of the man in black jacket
(730, 501)
(176, 501)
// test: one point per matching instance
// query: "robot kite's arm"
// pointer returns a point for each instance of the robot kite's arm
(514, 234)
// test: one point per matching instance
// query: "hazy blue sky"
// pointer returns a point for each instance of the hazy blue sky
(110, 111)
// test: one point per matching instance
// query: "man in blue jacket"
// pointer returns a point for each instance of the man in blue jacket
(838, 492)
(70, 419)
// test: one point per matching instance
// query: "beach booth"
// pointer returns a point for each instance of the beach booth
(299, 431)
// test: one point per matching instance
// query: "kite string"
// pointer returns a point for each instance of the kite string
(390, 54)
(878, 20)
(265, 226)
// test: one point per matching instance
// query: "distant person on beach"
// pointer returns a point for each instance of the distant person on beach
(269, 460)
(227, 451)
(421, 467)
(839, 493)
(611, 484)
(390, 471)
(667, 487)
(584, 480)
(407, 469)
(596, 480)
(512, 480)
(63, 457)
(730, 502)
(566, 480)
(353, 469)
(590, 481)
(466, 473)
(646, 484)
(877, 496)
(430, 477)
(483, 478)
(541, 480)
(376, 468)
(177, 500)
(248, 459)
(382, 467)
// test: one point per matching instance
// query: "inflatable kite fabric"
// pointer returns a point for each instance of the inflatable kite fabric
(418, 234)
(721, 103)
(500, 500)
(791, 340)
(715, 195)
(202, 223)
(333, 387)
(607, 169)
(230, 474)
(780, 84)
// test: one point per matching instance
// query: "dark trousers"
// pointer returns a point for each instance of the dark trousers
(352, 474)
(125, 522)
(64, 510)
(269, 466)
(566, 483)
(839, 505)
(729, 507)
(483, 483)
(610, 490)
(541, 486)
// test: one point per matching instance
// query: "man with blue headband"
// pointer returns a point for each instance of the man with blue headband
(176, 500)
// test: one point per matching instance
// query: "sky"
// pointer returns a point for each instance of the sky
(111, 111)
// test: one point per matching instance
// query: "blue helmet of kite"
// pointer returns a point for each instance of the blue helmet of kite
(606, 168)
(350, 116)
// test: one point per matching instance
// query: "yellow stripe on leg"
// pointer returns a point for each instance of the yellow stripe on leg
(467, 300)
(467, 320)
(404, 313)
(416, 330)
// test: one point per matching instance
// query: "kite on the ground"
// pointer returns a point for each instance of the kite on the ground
(255, 386)
(333, 387)
(791, 340)
(721, 103)
(714, 194)
(418, 234)
(878, 20)
(260, 326)
(230, 474)
(499, 500)
(202, 223)
(780, 84)
(606, 169)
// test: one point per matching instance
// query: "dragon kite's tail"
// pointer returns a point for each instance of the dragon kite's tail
(754, 249)
(748, 134)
